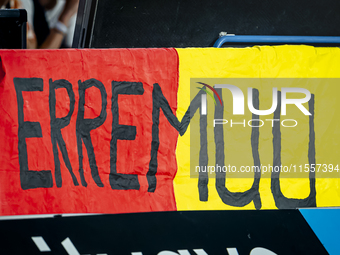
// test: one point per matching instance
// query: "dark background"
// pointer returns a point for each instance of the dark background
(281, 231)
(13, 29)
(189, 23)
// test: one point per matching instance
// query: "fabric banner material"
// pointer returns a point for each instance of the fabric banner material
(108, 131)
(81, 131)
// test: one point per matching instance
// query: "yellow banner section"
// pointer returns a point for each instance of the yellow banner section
(266, 62)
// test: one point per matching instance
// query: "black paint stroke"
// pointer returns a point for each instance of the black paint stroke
(160, 102)
(29, 179)
(238, 199)
(84, 126)
(122, 132)
(203, 178)
(281, 201)
(2, 70)
(56, 125)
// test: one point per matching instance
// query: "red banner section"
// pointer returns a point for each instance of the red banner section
(83, 131)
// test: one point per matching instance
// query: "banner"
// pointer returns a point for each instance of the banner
(81, 131)
(113, 131)
(297, 64)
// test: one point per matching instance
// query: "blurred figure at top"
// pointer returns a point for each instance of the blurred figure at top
(51, 23)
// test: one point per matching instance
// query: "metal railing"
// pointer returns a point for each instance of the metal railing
(276, 39)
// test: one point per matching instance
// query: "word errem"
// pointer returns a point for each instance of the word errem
(31, 179)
